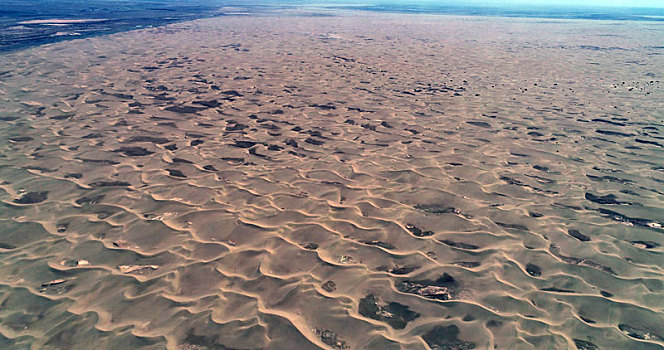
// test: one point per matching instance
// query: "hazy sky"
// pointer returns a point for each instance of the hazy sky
(628, 3)
(621, 3)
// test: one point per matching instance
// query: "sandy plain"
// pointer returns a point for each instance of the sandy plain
(357, 181)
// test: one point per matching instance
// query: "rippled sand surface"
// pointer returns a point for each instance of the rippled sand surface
(349, 182)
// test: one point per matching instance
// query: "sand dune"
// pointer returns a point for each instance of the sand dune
(348, 182)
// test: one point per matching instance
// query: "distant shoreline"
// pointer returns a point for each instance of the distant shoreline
(30, 23)
(23, 31)
(42, 32)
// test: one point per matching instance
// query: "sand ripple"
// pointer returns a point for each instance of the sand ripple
(400, 182)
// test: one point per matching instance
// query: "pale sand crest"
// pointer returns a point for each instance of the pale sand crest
(62, 21)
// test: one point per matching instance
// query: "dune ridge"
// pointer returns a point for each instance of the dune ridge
(368, 181)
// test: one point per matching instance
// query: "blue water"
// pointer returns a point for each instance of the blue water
(120, 15)
(557, 12)
(112, 15)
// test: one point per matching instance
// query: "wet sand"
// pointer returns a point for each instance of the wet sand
(361, 181)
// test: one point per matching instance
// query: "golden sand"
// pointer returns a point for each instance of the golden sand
(356, 181)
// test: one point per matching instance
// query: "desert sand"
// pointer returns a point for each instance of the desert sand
(352, 181)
